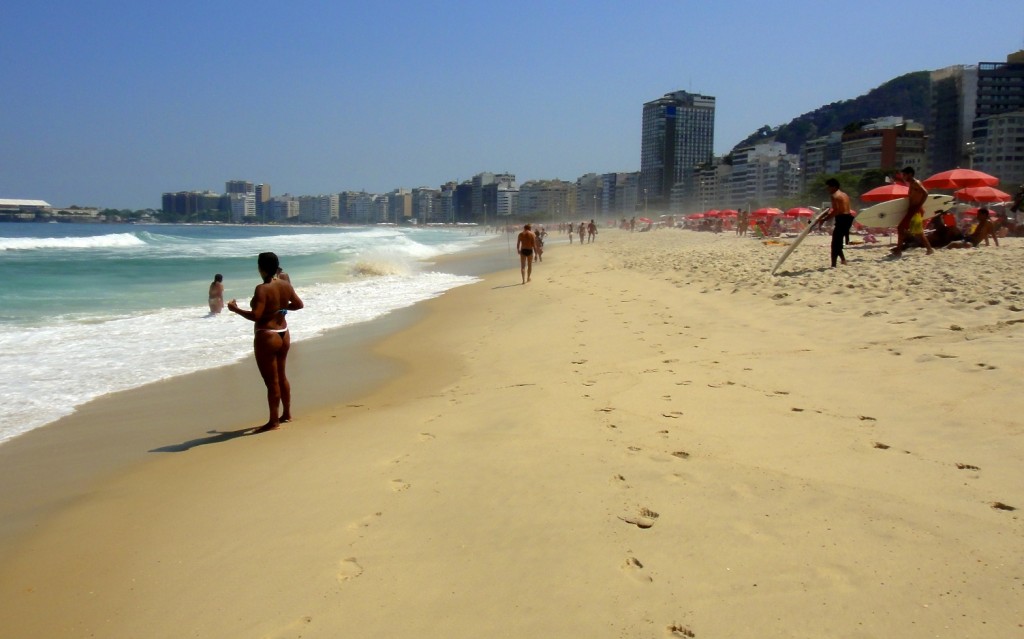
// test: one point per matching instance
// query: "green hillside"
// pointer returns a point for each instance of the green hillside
(905, 96)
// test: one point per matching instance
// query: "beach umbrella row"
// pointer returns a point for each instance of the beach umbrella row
(800, 211)
(974, 186)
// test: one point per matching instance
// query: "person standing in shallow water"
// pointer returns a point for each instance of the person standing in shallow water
(270, 304)
(217, 294)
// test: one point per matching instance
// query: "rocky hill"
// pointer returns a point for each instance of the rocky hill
(905, 96)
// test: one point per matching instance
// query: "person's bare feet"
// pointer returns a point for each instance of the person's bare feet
(269, 426)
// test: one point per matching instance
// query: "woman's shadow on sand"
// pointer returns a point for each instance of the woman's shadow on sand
(216, 437)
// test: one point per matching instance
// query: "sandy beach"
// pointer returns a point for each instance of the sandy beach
(654, 438)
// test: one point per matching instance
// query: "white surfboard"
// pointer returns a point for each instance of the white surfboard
(889, 214)
(799, 238)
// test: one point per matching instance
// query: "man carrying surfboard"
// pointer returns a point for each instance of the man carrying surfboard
(913, 221)
(843, 217)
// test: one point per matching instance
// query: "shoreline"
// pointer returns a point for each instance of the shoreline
(650, 439)
(101, 437)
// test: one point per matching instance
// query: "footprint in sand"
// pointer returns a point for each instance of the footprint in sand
(635, 570)
(678, 630)
(349, 569)
(398, 485)
(967, 467)
(645, 518)
(425, 437)
(297, 627)
(365, 522)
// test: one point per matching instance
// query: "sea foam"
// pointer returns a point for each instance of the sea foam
(51, 370)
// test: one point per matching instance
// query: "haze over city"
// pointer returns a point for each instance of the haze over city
(112, 104)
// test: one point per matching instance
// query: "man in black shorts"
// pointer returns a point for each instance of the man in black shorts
(525, 245)
(843, 217)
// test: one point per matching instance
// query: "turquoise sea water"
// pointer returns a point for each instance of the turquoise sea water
(92, 309)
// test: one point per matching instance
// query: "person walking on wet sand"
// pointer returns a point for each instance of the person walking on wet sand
(525, 245)
(591, 232)
(842, 217)
(583, 230)
(271, 301)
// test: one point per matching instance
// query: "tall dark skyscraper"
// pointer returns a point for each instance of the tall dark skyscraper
(678, 136)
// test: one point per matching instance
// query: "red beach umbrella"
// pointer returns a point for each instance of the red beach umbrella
(712, 213)
(800, 211)
(645, 220)
(959, 179)
(885, 193)
(729, 213)
(767, 212)
(695, 216)
(982, 194)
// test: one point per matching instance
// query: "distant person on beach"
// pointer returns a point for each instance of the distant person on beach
(217, 294)
(842, 219)
(525, 245)
(591, 231)
(583, 230)
(570, 232)
(912, 224)
(270, 304)
(983, 231)
(540, 233)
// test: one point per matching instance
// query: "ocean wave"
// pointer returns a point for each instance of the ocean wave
(52, 369)
(113, 240)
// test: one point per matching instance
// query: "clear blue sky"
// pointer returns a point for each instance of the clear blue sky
(113, 103)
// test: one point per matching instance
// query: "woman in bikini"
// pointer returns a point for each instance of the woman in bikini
(270, 303)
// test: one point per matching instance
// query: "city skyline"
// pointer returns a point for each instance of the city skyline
(115, 105)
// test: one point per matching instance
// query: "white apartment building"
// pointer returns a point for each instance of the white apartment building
(281, 209)
(318, 209)
(761, 174)
(1001, 151)
(243, 207)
